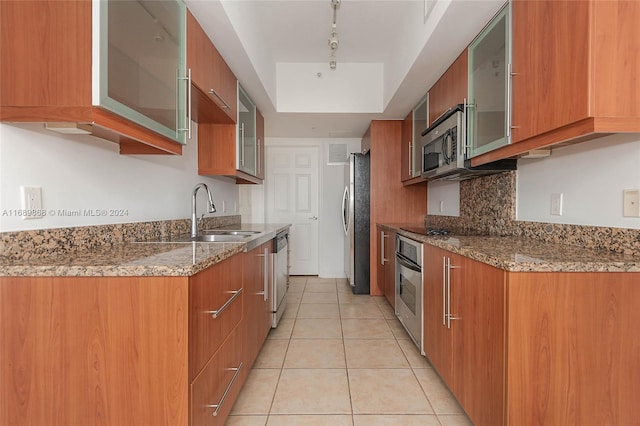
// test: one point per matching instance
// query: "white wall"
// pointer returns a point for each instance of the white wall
(331, 182)
(83, 172)
(590, 175)
(351, 87)
(443, 198)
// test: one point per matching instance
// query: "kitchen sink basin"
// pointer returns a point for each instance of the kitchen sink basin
(229, 232)
(214, 238)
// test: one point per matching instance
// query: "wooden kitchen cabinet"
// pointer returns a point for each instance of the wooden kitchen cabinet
(120, 350)
(234, 150)
(464, 330)
(387, 264)
(553, 348)
(215, 87)
(450, 89)
(575, 68)
(219, 383)
(46, 68)
(390, 201)
(209, 323)
(257, 320)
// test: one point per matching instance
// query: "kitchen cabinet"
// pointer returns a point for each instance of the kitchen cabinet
(387, 264)
(488, 114)
(406, 163)
(575, 71)
(215, 87)
(450, 89)
(411, 164)
(391, 201)
(257, 319)
(464, 330)
(138, 101)
(533, 347)
(218, 386)
(121, 350)
(233, 150)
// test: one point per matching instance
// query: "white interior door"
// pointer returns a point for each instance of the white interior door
(291, 187)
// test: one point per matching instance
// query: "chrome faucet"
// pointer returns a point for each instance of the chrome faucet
(211, 209)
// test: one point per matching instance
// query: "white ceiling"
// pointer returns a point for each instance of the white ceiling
(255, 35)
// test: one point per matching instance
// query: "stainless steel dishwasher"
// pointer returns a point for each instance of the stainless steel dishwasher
(280, 275)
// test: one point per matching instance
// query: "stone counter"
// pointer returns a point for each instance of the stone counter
(526, 255)
(158, 258)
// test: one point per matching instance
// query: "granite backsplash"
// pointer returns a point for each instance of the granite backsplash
(24, 245)
(488, 207)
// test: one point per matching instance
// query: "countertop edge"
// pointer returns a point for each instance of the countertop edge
(521, 266)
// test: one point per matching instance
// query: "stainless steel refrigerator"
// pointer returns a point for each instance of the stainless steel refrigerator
(356, 222)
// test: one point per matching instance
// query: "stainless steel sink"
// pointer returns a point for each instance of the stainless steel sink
(209, 238)
(229, 232)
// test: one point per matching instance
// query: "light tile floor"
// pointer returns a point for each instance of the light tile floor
(342, 359)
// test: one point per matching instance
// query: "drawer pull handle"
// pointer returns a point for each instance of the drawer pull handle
(227, 390)
(216, 313)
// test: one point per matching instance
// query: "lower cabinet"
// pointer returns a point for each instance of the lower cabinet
(214, 391)
(131, 350)
(257, 318)
(464, 330)
(544, 348)
(387, 264)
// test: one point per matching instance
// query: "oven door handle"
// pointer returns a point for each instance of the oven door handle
(407, 263)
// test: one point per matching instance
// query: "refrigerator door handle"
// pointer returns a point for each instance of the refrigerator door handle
(345, 205)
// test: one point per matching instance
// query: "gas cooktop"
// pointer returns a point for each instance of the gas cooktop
(426, 231)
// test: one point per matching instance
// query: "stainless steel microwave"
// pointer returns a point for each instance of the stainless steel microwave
(444, 150)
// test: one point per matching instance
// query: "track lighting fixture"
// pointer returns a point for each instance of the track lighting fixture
(333, 38)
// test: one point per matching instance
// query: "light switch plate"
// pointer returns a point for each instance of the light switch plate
(31, 202)
(556, 204)
(631, 199)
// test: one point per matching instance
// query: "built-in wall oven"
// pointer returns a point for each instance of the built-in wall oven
(409, 287)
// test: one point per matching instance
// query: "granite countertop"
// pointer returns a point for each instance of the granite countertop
(526, 255)
(153, 258)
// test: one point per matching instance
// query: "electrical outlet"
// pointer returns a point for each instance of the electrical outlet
(631, 199)
(556, 204)
(31, 202)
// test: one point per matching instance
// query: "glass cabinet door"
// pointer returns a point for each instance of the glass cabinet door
(142, 63)
(247, 148)
(420, 123)
(488, 114)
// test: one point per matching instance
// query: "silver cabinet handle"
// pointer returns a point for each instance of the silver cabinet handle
(265, 271)
(227, 390)
(382, 237)
(410, 159)
(216, 313)
(444, 290)
(242, 144)
(314, 218)
(449, 316)
(258, 157)
(448, 292)
(224, 105)
(508, 105)
(188, 117)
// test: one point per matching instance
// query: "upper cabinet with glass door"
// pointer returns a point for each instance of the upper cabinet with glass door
(142, 62)
(489, 109)
(247, 152)
(114, 69)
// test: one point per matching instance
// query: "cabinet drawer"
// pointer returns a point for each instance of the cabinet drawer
(216, 388)
(215, 300)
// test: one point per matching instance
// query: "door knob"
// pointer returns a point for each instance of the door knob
(314, 218)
